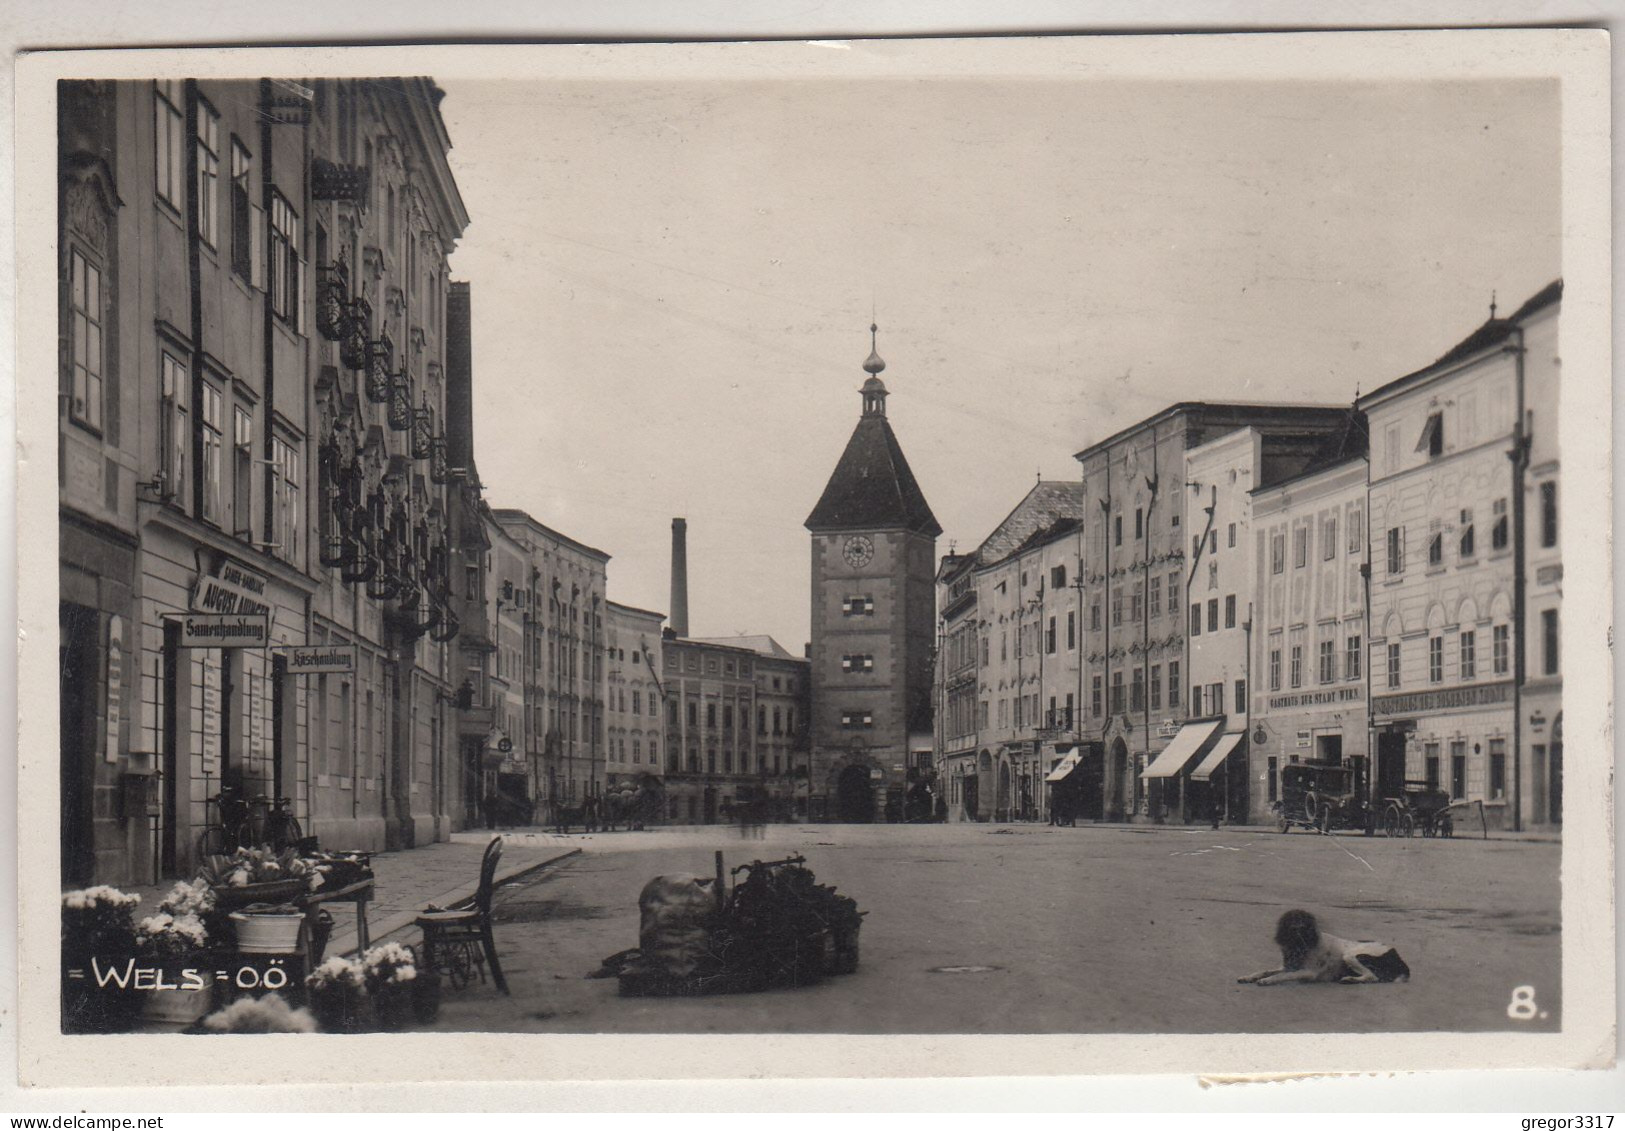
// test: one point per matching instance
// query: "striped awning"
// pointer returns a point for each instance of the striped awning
(1223, 749)
(1184, 746)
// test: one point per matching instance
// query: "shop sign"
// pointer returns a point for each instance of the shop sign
(897, 767)
(234, 588)
(1421, 702)
(876, 774)
(317, 659)
(207, 630)
(1168, 729)
(1537, 721)
(115, 685)
(1305, 738)
(1315, 698)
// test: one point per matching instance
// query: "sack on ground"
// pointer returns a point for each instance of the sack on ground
(674, 935)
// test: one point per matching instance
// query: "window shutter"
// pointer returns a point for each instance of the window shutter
(257, 226)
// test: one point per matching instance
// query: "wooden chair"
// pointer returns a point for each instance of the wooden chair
(458, 942)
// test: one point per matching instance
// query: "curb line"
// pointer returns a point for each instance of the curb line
(385, 930)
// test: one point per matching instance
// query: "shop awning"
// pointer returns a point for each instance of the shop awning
(1226, 746)
(1064, 767)
(1182, 749)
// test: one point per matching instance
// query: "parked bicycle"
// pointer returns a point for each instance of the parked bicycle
(273, 823)
(225, 833)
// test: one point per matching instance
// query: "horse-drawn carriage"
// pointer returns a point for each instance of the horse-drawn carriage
(1421, 807)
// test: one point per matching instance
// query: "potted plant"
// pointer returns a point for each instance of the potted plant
(98, 955)
(177, 943)
(338, 995)
(390, 971)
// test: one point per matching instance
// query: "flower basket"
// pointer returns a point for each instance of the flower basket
(275, 891)
(98, 935)
(268, 929)
(337, 994)
(393, 1006)
(341, 1009)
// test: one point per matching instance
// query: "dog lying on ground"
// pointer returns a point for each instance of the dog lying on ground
(1307, 955)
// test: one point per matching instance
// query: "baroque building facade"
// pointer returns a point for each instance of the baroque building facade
(255, 463)
(1454, 620)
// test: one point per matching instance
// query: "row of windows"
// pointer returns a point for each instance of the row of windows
(1353, 649)
(1136, 692)
(1328, 541)
(692, 713)
(1467, 653)
(1213, 614)
(214, 468)
(617, 750)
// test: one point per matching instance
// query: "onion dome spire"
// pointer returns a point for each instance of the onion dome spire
(874, 365)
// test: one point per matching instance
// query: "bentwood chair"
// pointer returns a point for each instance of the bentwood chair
(458, 942)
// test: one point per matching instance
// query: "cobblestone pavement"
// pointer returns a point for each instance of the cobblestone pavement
(1092, 929)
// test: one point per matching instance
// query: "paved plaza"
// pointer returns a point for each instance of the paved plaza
(1088, 929)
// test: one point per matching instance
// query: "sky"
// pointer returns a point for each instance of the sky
(673, 283)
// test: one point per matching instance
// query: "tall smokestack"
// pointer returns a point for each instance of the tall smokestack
(679, 576)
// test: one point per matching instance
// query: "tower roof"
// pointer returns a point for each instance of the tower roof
(872, 487)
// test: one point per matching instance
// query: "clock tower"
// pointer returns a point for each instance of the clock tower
(873, 617)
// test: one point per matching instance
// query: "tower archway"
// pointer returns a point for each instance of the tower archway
(854, 796)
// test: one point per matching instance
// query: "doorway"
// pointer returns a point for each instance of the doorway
(1117, 800)
(970, 790)
(78, 715)
(854, 797)
(1329, 748)
(1554, 791)
(1390, 764)
(1001, 807)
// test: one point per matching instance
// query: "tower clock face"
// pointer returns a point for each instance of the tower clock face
(859, 552)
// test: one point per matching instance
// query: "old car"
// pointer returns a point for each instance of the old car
(1323, 796)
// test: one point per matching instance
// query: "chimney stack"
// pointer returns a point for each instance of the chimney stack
(679, 576)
